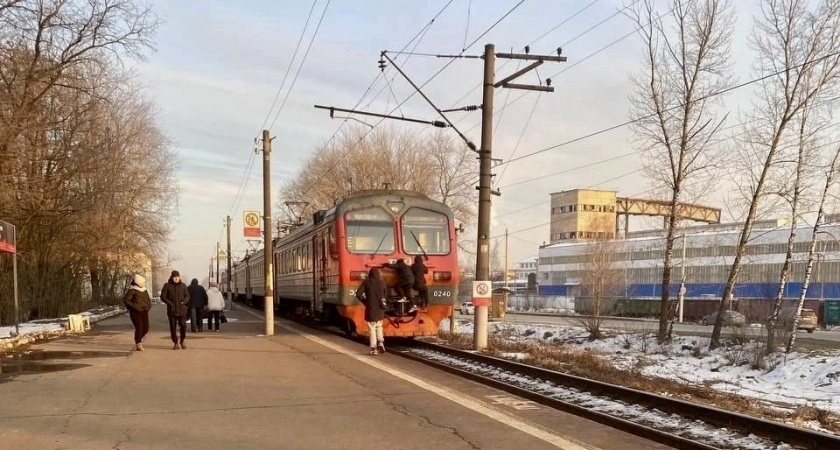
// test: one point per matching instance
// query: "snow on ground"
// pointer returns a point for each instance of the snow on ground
(39, 327)
(785, 381)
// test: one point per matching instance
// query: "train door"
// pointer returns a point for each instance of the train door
(317, 301)
(247, 282)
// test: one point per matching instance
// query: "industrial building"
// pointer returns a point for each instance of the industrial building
(703, 254)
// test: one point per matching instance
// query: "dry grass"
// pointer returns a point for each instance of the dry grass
(589, 364)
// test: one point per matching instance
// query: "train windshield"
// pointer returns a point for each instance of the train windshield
(426, 232)
(370, 230)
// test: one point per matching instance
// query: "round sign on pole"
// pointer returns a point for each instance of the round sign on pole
(482, 293)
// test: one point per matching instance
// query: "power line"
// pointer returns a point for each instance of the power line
(430, 78)
(452, 60)
(249, 165)
(288, 68)
(581, 60)
(300, 67)
(639, 119)
(418, 37)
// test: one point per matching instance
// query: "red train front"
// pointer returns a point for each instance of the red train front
(375, 229)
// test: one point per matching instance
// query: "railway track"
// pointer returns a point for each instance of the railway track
(674, 422)
(670, 421)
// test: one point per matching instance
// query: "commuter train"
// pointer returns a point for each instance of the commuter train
(318, 266)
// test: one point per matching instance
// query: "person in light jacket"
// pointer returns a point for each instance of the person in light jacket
(372, 294)
(138, 303)
(177, 299)
(215, 304)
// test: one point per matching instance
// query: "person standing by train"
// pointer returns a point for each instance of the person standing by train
(177, 299)
(420, 270)
(198, 302)
(215, 304)
(372, 294)
(138, 303)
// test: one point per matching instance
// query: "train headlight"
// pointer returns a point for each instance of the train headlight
(358, 275)
(442, 276)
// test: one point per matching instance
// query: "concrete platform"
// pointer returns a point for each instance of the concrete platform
(295, 390)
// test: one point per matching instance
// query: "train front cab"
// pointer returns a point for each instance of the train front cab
(376, 236)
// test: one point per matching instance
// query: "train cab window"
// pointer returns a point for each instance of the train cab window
(425, 231)
(370, 230)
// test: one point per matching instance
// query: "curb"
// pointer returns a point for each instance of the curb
(13, 343)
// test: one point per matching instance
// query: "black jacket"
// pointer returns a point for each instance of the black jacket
(419, 270)
(198, 295)
(137, 300)
(176, 297)
(372, 294)
(404, 274)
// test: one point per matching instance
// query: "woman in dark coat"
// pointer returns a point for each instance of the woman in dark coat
(372, 294)
(138, 303)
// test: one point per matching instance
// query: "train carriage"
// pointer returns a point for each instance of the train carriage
(319, 266)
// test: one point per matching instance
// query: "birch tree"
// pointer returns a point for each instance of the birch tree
(686, 62)
(830, 180)
(797, 64)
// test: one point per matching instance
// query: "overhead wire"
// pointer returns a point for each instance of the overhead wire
(430, 79)
(302, 63)
(249, 165)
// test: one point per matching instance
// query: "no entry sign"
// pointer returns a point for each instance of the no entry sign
(7, 237)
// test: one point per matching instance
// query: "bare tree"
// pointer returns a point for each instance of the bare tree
(360, 160)
(830, 180)
(686, 62)
(601, 282)
(798, 65)
(810, 127)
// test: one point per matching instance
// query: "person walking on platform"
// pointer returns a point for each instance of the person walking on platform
(405, 280)
(177, 299)
(138, 303)
(372, 294)
(420, 270)
(215, 304)
(198, 303)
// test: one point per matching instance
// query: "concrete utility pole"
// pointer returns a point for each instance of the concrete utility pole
(229, 262)
(217, 262)
(482, 260)
(268, 245)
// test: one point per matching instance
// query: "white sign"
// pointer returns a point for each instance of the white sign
(482, 289)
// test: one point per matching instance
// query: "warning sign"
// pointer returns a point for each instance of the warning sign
(482, 293)
(252, 224)
(7, 237)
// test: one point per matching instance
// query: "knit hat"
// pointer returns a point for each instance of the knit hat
(139, 281)
(175, 273)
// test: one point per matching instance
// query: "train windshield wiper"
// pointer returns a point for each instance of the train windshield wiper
(425, 256)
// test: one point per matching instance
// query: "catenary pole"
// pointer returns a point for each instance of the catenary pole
(267, 246)
(217, 262)
(229, 262)
(485, 153)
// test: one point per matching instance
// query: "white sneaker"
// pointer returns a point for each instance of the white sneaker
(413, 308)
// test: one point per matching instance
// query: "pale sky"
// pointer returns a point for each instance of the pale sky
(219, 65)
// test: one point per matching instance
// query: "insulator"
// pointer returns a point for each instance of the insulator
(548, 81)
(527, 49)
(382, 63)
(559, 51)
